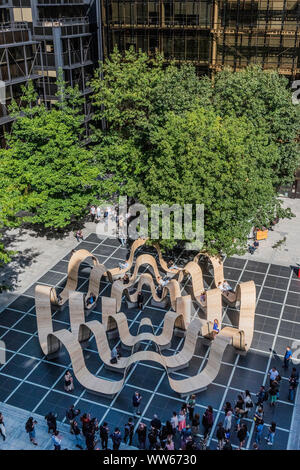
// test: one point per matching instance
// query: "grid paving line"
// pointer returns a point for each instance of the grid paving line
(271, 354)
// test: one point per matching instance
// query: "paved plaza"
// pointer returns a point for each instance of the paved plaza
(30, 382)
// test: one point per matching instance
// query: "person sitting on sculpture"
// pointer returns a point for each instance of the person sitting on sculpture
(91, 299)
(225, 287)
(125, 264)
(115, 355)
(126, 279)
(215, 329)
(203, 297)
(172, 265)
(162, 282)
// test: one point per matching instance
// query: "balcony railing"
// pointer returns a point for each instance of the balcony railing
(13, 26)
(62, 2)
(53, 22)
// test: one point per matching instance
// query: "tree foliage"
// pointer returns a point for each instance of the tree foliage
(172, 137)
(45, 168)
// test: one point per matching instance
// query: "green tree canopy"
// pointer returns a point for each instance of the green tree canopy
(45, 169)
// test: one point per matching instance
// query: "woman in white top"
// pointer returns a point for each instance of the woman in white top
(227, 421)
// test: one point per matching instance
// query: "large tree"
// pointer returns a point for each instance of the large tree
(45, 168)
(264, 98)
(172, 137)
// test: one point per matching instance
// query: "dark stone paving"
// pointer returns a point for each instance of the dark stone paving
(30, 382)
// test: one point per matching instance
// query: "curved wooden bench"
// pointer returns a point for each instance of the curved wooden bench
(163, 263)
(72, 280)
(53, 340)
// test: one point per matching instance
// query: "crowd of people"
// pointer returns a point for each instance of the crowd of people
(182, 430)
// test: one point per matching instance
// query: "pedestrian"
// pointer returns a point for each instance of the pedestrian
(165, 432)
(129, 428)
(156, 422)
(98, 213)
(271, 435)
(273, 373)
(140, 300)
(56, 439)
(142, 435)
(185, 434)
(93, 213)
(77, 433)
(116, 438)
(2, 427)
(181, 420)
(79, 235)
(71, 414)
(241, 435)
(191, 406)
(227, 445)
(220, 436)
(262, 396)
(273, 391)
(106, 215)
(104, 433)
(195, 424)
(85, 421)
(90, 439)
(287, 358)
(152, 437)
(293, 383)
(258, 432)
(51, 422)
(174, 422)
(68, 385)
(30, 429)
(258, 416)
(248, 402)
(228, 422)
(136, 402)
(207, 421)
(170, 444)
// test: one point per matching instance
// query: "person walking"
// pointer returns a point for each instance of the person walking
(2, 427)
(152, 437)
(207, 420)
(156, 422)
(68, 385)
(221, 434)
(271, 434)
(142, 435)
(165, 433)
(93, 213)
(98, 213)
(129, 428)
(85, 422)
(195, 424)
(248, 402)
(287, 358)
(273, 373)
(174, 422)
(116, 437)
(293, 383)
(140, 300)
(262, 396)
(71, 414)
(241, 435)
(258, 432)
(56, 439)
(181, 420)
(228, 422)
(30, 429)
(78, 435)
(191, 406)
(51, 422)
(104, 433)
(136, 402)
(273, 391)
(79, 235)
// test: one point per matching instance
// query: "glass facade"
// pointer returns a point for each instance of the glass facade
(210, 33)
